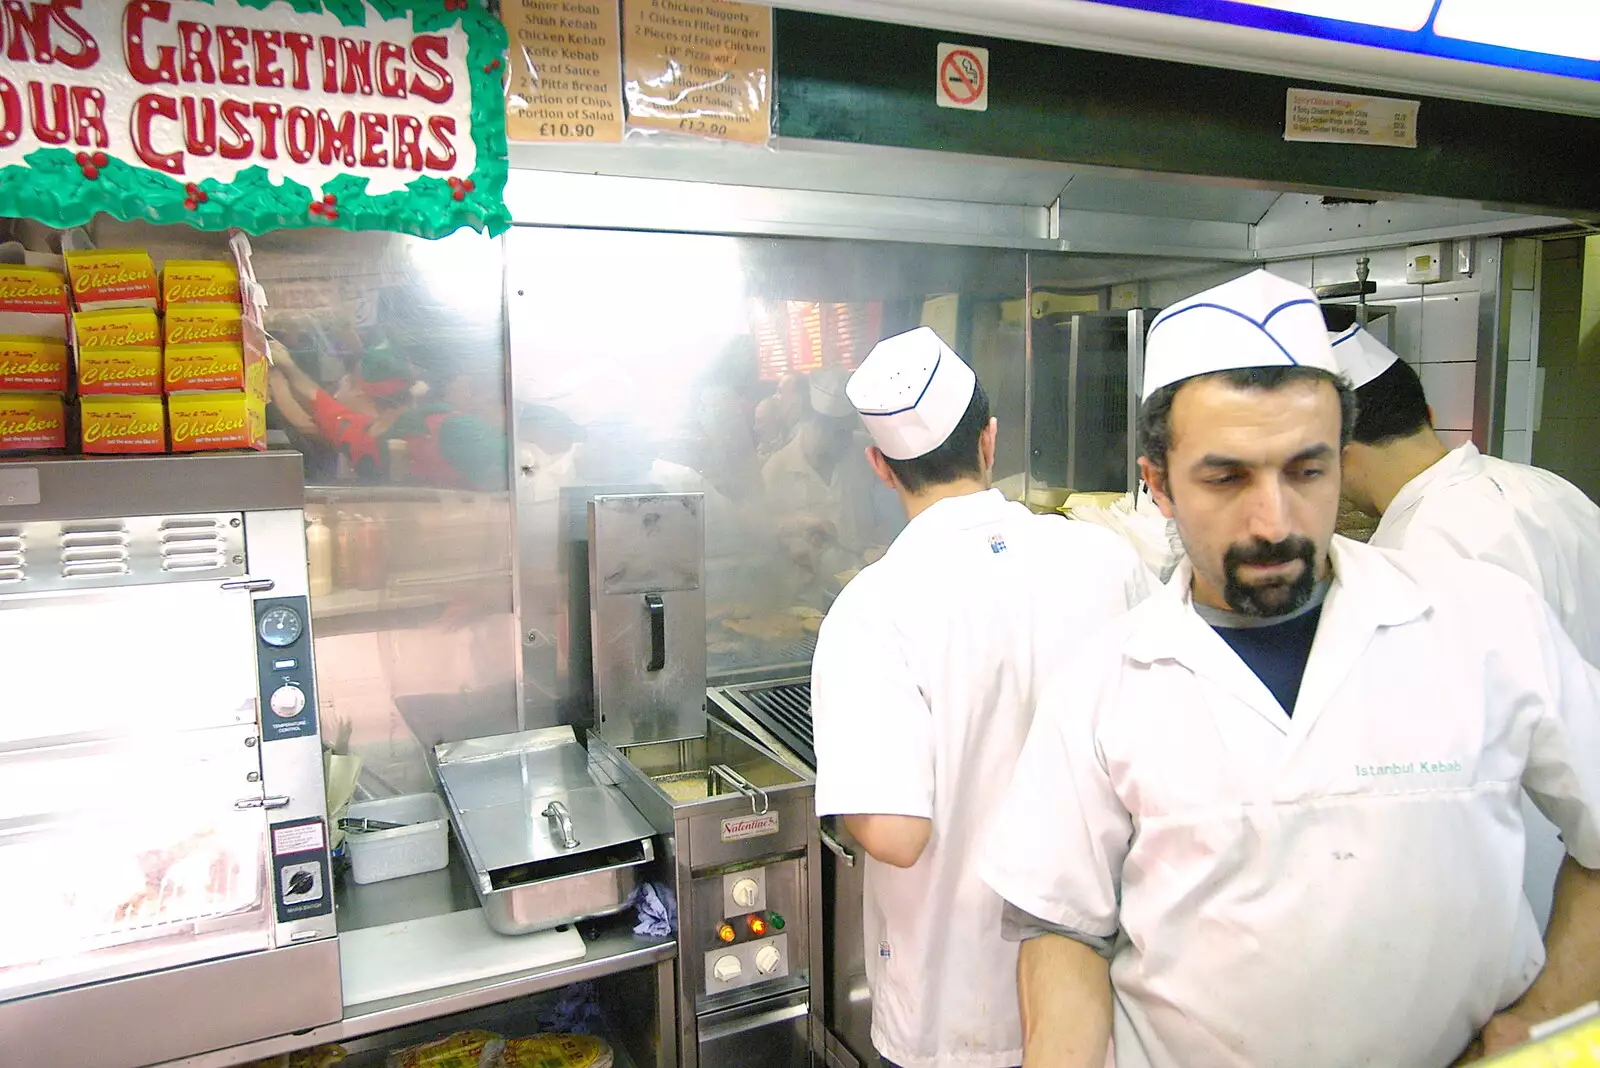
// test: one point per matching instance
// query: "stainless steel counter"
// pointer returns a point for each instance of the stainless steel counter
(611, 947)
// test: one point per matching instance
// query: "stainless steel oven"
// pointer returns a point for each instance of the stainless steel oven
(162, 824)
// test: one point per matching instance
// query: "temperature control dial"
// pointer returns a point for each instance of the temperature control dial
(726, 969)
(746, 893)
(287, 702)
(767, 959)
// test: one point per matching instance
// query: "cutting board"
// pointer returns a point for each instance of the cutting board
(439, 951)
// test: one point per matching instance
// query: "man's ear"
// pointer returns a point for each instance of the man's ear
(986, 444)
(1156, 478)
(880, 467)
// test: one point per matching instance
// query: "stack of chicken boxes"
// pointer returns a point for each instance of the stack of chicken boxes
(216, 353)
(34, 366)
(118, 340)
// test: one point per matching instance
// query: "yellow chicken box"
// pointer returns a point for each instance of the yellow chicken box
(123, 279)
(123, 425)
(124, 372)
(33, 302)
(117, 328)
(214, 421)
(204, 324)
(199, 282)
(33, 365)
(193, 368)
(32, 422)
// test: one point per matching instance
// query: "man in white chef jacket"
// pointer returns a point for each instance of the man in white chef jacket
(925, 677)
(1458, 502)
(1271, 816)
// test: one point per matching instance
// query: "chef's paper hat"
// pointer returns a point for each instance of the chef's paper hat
(827, 393)
(911, 391)
(1259, 320)
(1361, 356)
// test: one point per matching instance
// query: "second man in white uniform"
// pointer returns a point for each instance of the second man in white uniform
(924, 682)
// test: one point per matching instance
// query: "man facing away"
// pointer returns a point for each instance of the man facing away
(924, 681)
(1458, 502)
(1272, 817)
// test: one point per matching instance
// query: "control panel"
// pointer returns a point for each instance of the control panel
(283, 658)
(747, 963)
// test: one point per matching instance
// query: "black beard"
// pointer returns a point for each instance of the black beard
(1274, 597)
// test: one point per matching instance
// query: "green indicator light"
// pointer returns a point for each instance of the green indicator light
(775, 921)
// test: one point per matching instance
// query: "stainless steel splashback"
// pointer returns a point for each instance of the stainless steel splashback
(647, 605)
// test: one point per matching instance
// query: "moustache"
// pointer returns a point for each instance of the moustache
(1261, 552)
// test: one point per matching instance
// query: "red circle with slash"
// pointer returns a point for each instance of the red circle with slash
(961, 84)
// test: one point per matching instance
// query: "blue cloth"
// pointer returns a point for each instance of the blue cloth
(657, 910)
(1277, 653)
(576, 1012)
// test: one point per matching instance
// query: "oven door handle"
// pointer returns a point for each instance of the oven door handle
(838, 848)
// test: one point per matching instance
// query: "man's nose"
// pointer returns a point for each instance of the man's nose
(1269, 511)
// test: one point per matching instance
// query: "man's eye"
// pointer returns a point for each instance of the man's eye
(1222, 480)
(1308, 473)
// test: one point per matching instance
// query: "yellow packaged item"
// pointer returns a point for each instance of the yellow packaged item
(33, 365)
(214, 421)
(556, 1051)
(129, 372)
(204, 367)
(123, 425)
(121, 279)
(117, 328)
(204, 324)
(199, 282)
(316, 1057)
(31, 422)
(464, 1049)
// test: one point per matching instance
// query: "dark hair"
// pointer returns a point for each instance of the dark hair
(1392, 406)
(1155, 414)
(956, 458)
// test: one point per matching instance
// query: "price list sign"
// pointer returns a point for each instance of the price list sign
(566, 76)
(700, 67)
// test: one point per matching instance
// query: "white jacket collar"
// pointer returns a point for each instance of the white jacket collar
(1462, 462)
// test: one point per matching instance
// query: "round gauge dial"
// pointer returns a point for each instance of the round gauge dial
(280, 626)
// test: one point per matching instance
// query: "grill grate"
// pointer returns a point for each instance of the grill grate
(784, 708)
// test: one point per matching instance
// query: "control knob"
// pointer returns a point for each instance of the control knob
(767, 959)
(287, 701)
(746, 893)
(726, 969)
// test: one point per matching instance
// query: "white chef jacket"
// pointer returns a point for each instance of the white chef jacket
(925, 677)
(1340, 888)
(1534, 524)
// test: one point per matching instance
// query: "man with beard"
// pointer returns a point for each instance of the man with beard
(1272, 816)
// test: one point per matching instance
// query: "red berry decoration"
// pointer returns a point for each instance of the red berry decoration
(458, 194)
(100, 159)
(201, 195)
(329, 198)
(91, 172)
(317, 207)
(191, 203)
(332, 213)
(191, 189)
(467, 185)
(493, 66)
(83, 159)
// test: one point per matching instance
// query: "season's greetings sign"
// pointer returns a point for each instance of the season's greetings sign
(260, 114)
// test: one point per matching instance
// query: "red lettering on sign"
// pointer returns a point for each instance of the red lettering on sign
(267, 42)
(146, 110)
(51, 124)
(232, 41)
(300, 134)
(165, 68)
(89, 111)
(88, 52)
(427, 51)
(338, 139)
(234, 113)
(268, 115)
(10, 114)
(407, 142)
(443, 128)
(27, 24)
(330, 64)
(200, 125)
(391, 80)
(194, 41)
(355, 57)
(374, 128)
(300, 46)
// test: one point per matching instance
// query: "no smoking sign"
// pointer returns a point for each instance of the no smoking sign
(963, 78)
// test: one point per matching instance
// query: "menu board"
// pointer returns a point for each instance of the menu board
(700, 67)
(566, 71)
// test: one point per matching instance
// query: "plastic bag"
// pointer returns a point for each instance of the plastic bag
(557, 1051)
(464, 1049)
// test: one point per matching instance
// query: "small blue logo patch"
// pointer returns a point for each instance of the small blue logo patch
(884, 950)
(997, 544)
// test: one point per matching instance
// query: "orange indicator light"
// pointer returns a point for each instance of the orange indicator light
(758, 926)
(725, 932)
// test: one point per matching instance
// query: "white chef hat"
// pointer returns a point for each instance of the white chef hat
(827, 392)
(1361, 356)
(1259, 320)
(911, 391)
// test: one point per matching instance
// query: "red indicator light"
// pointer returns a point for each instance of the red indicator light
(758, 926)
